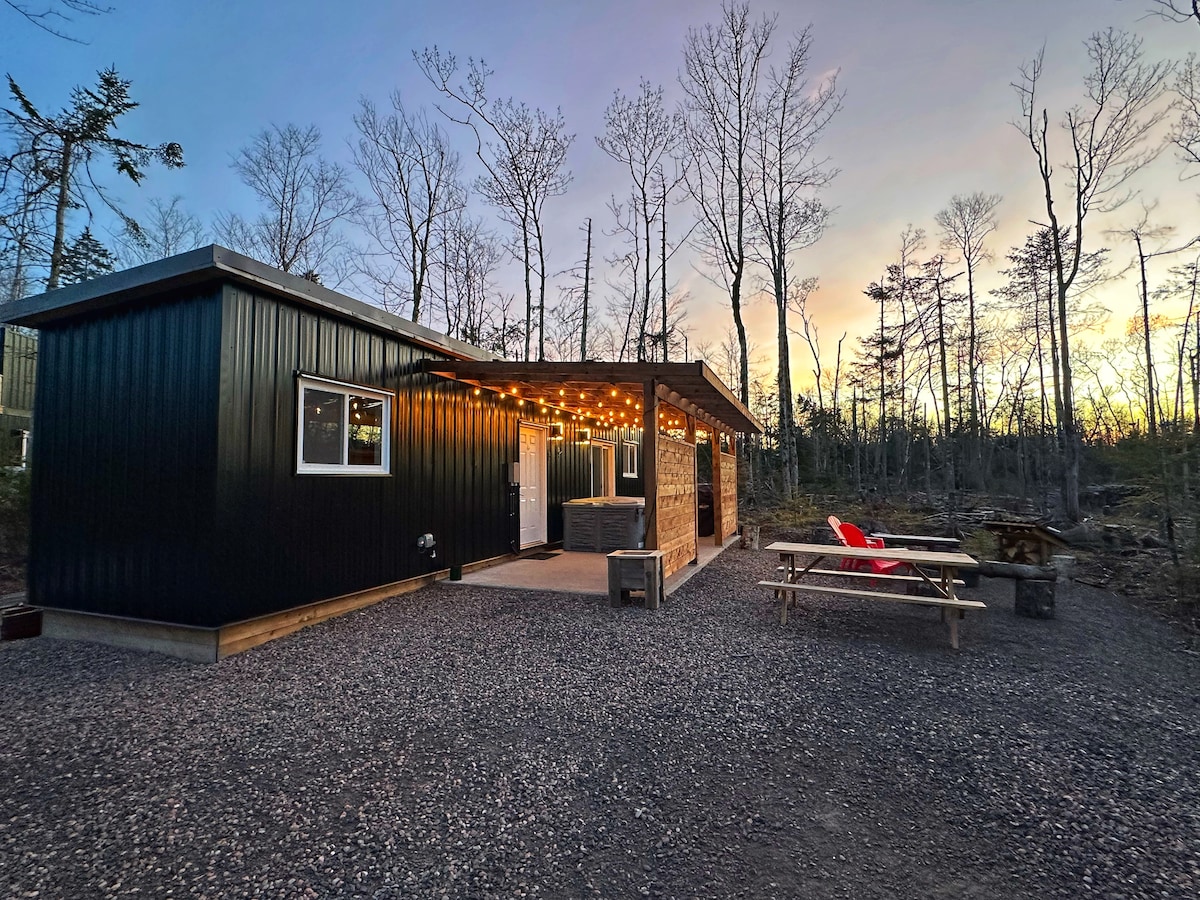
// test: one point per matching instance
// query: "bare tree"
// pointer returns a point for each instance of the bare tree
(936, 314)
(1185, 132)
(27, 207)
(166, 230)
(625, 265)
(722, 68)
(788, 122)
(1108, 138)
(641, 135)
(575, 304)
(965, 223)
(525, 165)
(54, 15)
(1149, 242)
(466, 256)
(414, 180)
(1180, 11)
(304, 199)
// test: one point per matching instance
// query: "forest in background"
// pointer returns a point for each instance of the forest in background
(1015, 390)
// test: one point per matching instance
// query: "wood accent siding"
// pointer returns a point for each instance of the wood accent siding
(676, 474)
(729, 496)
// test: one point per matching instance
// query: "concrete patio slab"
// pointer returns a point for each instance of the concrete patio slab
(570, 572)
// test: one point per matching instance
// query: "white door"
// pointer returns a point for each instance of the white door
(532, 455)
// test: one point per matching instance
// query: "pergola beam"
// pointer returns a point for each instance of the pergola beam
(691, 387)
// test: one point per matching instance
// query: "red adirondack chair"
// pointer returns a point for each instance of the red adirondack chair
(851, 536)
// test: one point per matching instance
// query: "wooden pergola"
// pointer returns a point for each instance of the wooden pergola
(668, 401)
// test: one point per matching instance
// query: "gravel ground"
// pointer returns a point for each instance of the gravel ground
(468, 742)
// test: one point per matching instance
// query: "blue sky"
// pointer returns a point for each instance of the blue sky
(927, 109)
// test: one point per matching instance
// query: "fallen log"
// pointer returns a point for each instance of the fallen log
(1019, 571)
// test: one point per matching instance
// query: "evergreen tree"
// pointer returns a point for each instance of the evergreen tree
(56, 152)
(86, 259)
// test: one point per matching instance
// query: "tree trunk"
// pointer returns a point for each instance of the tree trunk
(735, 300)
(665, 329)
(63, 203)
(1151, 411)
(883, 454)
(1070, 430)
(787, 430)
(587, 273)
(646, 285)
(950, 478)
(541, 251)
(528, 289)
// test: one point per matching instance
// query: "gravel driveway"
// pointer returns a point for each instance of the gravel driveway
(469, 742)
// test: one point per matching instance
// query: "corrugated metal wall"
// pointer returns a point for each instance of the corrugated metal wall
(165, 482)
(331, 535)
(292, 539)
(122, 476)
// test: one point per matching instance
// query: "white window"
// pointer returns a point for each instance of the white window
(343, 429)
(629, 460)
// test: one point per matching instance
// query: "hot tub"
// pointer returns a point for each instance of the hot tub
(604, 524)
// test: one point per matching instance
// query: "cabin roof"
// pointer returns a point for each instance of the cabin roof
(691, 387)
(216, 263)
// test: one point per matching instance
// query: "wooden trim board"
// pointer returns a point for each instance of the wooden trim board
(212, 644)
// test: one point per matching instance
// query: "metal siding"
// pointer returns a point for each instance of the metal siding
(124, 459)
(289, 539)
(164, 480)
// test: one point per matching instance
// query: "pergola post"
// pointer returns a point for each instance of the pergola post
(714, 437)
(650, 462)
(691, 439)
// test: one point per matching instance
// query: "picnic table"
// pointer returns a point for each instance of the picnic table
(942, 584)
(918, 541)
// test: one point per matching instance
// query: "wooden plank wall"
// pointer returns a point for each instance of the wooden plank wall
(729, 499)
(676, 474)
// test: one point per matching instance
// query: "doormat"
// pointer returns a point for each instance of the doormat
(542, 556)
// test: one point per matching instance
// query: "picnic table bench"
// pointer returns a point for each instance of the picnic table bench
(942, 585)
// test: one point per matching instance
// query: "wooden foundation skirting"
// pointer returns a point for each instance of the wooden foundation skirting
(212, 644)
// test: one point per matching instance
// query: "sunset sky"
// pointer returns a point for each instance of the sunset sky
(927, 112)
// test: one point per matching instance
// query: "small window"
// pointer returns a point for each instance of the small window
(629, 460)
(343, 429)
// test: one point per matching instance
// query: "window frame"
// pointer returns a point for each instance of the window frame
(346, 389)
(629, 459)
